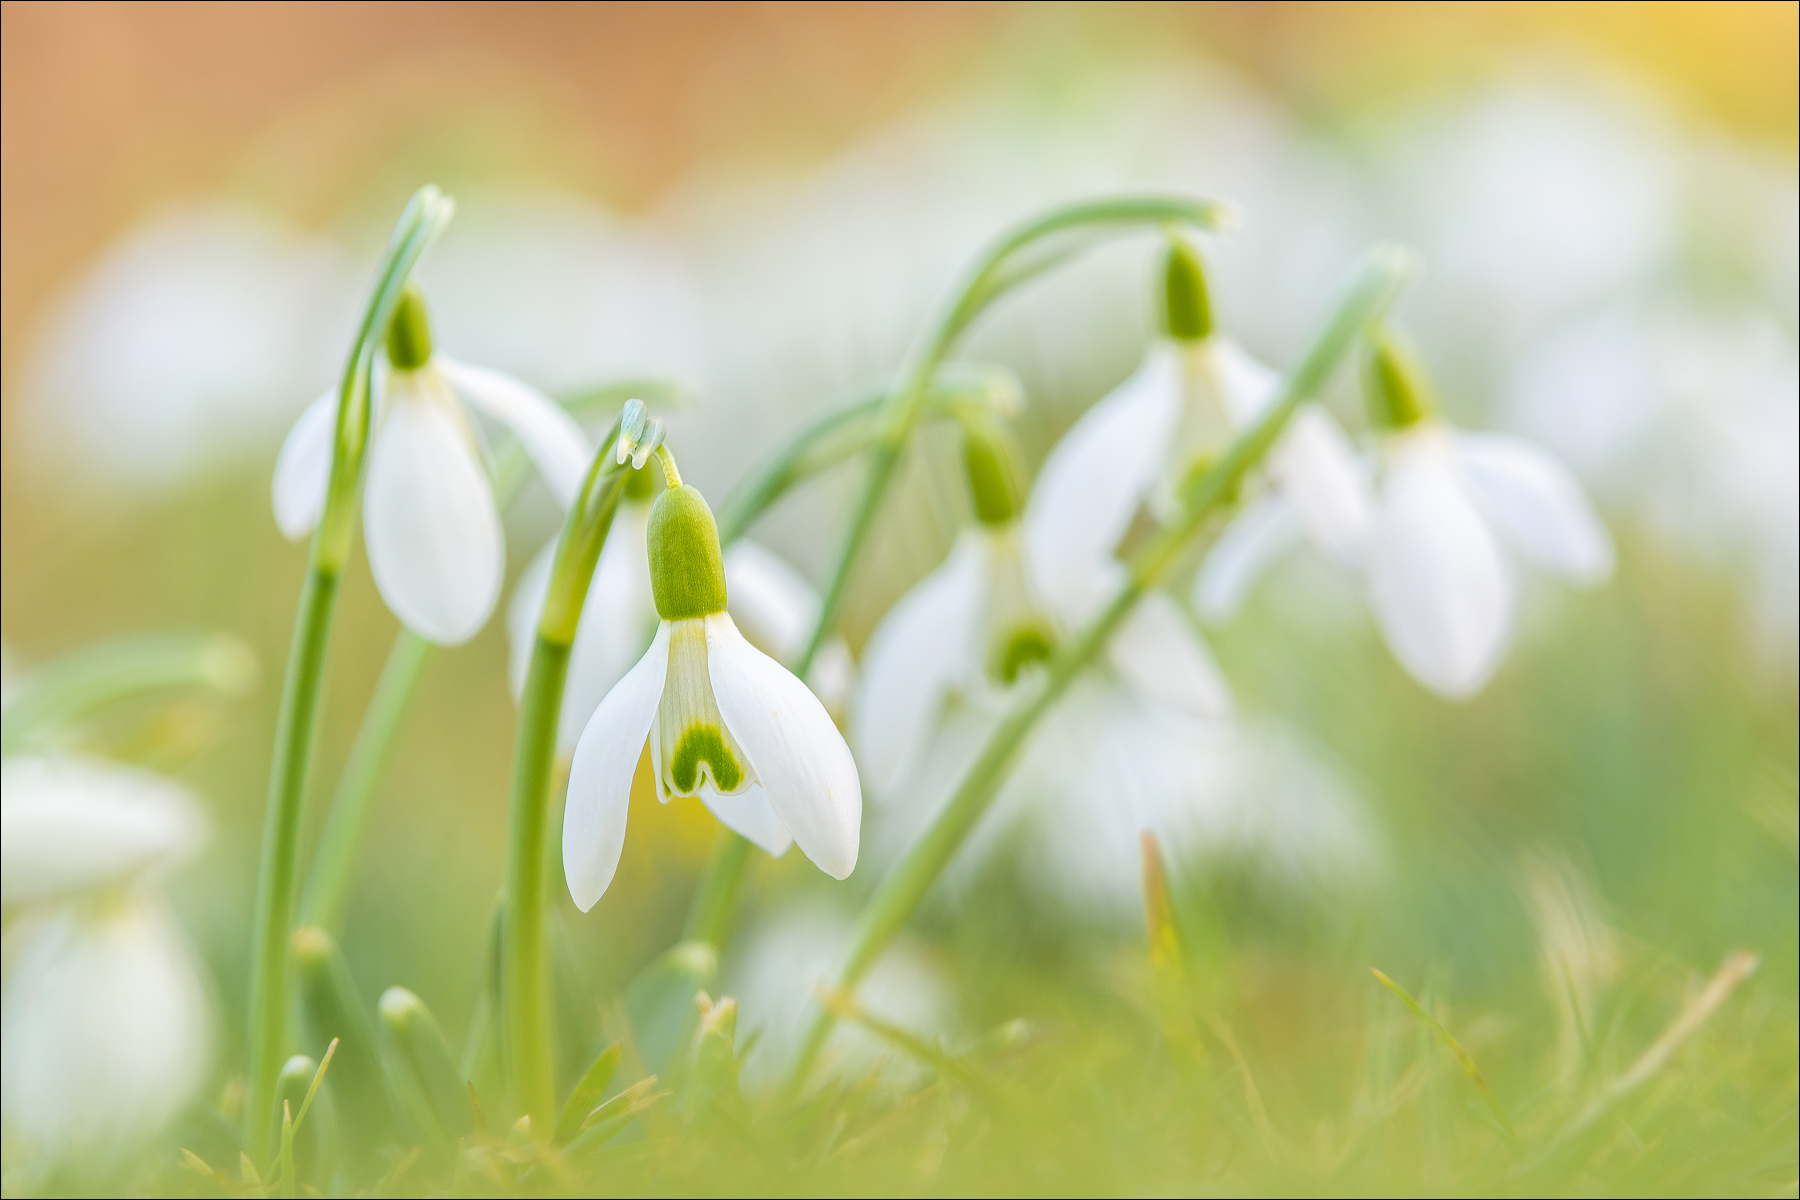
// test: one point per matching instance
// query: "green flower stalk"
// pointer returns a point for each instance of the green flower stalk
(1372, 291)
(277, 874)
(66, 690)
(524, 971)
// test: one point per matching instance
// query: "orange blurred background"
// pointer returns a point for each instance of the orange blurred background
(111, 108)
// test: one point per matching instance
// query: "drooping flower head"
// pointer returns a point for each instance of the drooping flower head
(724, 722)
(1441, 587)
(768, 600)
(429, 516)
(1146, 442)
(999, 607)
(1140, 742)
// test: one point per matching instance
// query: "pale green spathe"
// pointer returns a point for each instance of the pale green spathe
(687, 569)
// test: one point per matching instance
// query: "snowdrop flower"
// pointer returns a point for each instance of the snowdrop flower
(106, 1018)
(773, 606)
(1161, 427)
(209, 316)
(1105, 765)
(429, 516)
(1441, 587)
(724, 721)
(996, 610)
(780, 966)
(1689, 417)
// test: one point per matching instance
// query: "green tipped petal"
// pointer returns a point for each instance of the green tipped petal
(409, 332)
(1020, 648)
(1395, 385)
(704, 744)
(687, 569)
(1187, 306)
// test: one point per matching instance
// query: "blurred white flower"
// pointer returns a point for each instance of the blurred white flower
(433, 530)
(1536, 198)
(986, 620)
(1441, 588)
(773, 973)
(107, 1021)
(1105, 765)
(725, 723)
(771, 604)
(185, 347)
(1145, 441)
(1690, 418)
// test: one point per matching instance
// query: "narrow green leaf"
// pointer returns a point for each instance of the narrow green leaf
(1463, 1057)
(423, 1071)
(587, 1093)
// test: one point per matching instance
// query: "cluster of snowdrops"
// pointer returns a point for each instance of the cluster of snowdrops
(649, 623)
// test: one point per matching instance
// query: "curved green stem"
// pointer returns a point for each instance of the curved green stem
(1019, 256)
(277, 872)
(351, 804)
(524, 975)
(67, 689)
(1016, 258)
(347, 820)
(1372, 291)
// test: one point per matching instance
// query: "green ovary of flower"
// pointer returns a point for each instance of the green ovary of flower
(704, 744)
(1020, 648)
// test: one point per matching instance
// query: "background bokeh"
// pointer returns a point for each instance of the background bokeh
(765, 200)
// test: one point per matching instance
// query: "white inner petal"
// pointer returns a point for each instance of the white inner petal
(692, 748)
(1016, 631)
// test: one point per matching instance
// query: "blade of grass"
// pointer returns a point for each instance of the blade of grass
(1463, 1057)
(1739, 965)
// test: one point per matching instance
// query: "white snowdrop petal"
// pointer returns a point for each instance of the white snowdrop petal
(69, 825)
(911, 660)
(1160, 652)
(1440, 589)
(774, 606)
(1537, 505)
(798, 755)
(549, 434)
(1245, 386)
(434, 540)
(606, 757)
(618, 620)
(105, 1035)
(1317, 470)
(303, 468)
(1095, 477)
(749, 815)
(1266, 529)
